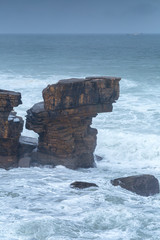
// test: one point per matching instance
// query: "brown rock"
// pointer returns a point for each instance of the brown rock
(82, 185)
(8, 162)
(63, 120)
(74, 92)
(8, 100)
(144, 185)
(10, 128)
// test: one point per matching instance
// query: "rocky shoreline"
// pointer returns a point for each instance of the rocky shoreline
(63, 123)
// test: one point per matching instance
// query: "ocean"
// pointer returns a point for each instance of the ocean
(37, 203)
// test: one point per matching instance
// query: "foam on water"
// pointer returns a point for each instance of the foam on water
(38, 203)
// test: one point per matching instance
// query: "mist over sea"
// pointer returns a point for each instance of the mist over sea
(37, 203)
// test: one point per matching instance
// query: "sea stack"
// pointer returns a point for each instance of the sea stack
(63, 120)
(10, 128)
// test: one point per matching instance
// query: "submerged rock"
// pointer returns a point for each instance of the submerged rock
(63, 120)
(82, 185)
(98, 158)
(144, 185)
(10, 128)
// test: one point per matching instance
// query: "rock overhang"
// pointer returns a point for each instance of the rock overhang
(76, 92)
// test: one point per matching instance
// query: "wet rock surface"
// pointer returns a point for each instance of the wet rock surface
(144, 185)
(82, 185)
(26, 146)
(98, 158)
(10, 128)
(63, 120)
(24, 162)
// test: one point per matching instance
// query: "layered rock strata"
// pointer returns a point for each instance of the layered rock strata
(10, 128)
(63, 120)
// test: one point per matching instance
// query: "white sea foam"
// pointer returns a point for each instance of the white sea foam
(127, 84)
(38, 204)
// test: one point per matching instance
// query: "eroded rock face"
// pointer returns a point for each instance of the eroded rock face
(63, 120)
(74, 93)
(10, 128)
(144, 185)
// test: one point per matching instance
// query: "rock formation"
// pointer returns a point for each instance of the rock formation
(82, 185)
(63, 120)
(10, 128)
(144, 185)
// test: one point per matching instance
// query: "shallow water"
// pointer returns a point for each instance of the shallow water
(38, 203)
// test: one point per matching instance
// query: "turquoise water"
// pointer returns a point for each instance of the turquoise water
(44, 55)
(37, 203)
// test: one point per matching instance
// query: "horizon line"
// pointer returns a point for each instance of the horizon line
(41, 33)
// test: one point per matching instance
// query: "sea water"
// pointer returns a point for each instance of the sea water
(38, 203)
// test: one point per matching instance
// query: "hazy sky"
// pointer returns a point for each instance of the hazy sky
(79, 16)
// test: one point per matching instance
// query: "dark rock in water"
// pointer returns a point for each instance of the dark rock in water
(24, 162)
(63, 121)
(26, 146)
(40, 158)
(82, 185)
(10, 128)
(144, 185)
(98, 158)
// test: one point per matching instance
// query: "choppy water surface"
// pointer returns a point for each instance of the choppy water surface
(37, 203)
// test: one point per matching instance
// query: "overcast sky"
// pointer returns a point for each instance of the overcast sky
(79, 16)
